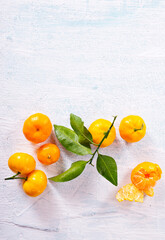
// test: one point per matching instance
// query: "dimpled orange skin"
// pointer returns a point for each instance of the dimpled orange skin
(132, 128)
(145, 175)
(35, 184)
(98, 129)
(48, 153)
(21, 162)
(37, 128)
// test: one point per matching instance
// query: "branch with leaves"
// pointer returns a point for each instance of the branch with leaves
(78, 141)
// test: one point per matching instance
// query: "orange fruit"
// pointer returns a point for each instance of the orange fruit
(98, 129)
(145, 175)
(132, 128)
(48, 153)
(130, 192)
(21, 162)
(37, 128)
(35, 184)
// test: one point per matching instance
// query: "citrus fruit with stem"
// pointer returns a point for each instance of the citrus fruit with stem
(98, 130)
(48, 153)
(22, 163)
(132, 128)
(35, 183)
(37, 128)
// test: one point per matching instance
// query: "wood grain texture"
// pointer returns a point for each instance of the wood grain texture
(96, 59)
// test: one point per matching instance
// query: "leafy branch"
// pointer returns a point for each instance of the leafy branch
(78, 141)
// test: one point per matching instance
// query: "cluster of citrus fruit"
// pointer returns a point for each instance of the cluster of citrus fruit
(132, 129)
(37, 128)
(145, 175)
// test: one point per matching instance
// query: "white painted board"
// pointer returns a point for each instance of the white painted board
(95, 59)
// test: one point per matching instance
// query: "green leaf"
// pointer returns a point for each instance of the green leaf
(87, 140)
(107, 167)
(69, 140)
(74, 171)
(85, 137)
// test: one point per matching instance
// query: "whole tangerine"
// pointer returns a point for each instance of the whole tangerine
(132, 128)
(98, 129)
(48, 153)
(35, 183)
(37, 128)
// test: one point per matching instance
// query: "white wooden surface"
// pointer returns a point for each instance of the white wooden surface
(95, 59)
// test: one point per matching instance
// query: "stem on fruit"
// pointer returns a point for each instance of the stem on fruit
(137, 129)
(15, 177)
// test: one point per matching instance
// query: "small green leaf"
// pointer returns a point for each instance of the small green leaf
(107, 167)
(74, 171)
(85, 137)
(69, 140)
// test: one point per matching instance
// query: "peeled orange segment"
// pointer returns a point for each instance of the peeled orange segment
(150, 192)
(145, 175)
(130, 192)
